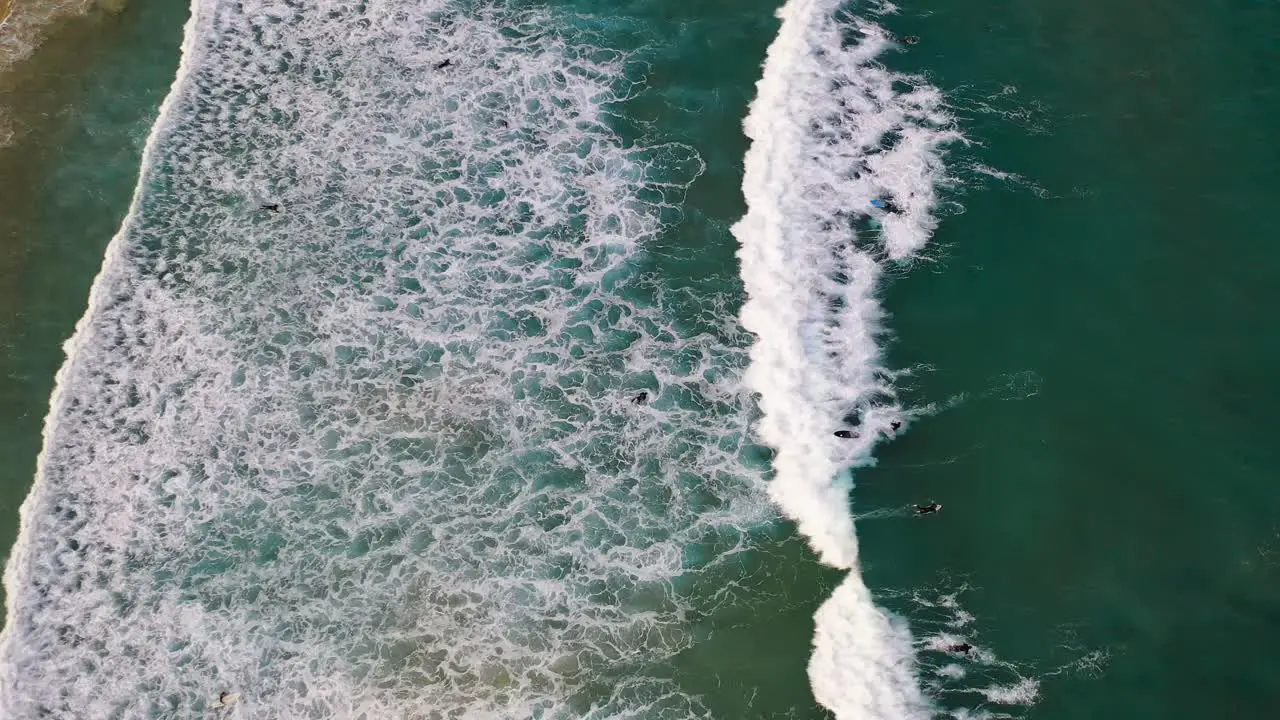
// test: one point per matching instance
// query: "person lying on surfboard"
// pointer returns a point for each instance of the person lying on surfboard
(887, 205)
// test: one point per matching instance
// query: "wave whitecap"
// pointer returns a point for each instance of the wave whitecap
(835, 135)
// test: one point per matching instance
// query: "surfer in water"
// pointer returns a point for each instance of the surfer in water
(888, 205)
(846, 434)
(640, 399)
(960, 648)
(447, 62)
(928, 509)
(272, 207)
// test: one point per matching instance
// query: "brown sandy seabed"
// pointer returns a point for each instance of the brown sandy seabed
(46, 46)
(24, 24)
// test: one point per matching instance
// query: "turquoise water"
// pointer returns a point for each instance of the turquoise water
(376, 454)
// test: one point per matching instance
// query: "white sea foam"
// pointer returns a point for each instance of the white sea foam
(863, 664)
(832, 130)
(373, 455)
(1023, 692)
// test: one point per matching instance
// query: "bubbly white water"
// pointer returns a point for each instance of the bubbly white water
(374, 455)
(832, 130)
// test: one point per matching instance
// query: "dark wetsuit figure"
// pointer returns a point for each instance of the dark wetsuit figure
(273, 207)
(640, 399)
(928, 509)
(846, 434)
(960, 648)
(447, 62)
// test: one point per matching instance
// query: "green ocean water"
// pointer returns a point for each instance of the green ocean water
(1110, 474)
(1094, 335)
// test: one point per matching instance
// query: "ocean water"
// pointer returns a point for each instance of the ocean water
(1095, 336)
(384, 451)
(80, 110)
(507, 386)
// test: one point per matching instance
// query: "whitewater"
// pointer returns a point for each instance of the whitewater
(833, 130)
(378, 411)
(375, 411)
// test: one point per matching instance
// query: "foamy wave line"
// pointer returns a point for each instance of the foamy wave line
(831, 132)
(17, 571)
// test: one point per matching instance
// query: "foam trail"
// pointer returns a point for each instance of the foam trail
(370, 453)
(831, 132)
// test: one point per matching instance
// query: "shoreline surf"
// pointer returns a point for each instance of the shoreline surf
(71, 346)
(432, 436)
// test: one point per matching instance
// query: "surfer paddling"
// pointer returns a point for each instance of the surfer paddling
(887, 205)
(851, 434)
(928, 509)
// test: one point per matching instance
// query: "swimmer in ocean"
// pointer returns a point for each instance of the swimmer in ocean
(846, 434)
(960, 648)
(928, 509)
(641, 398)
(444, 63)
(888, 206)
(273, 207)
